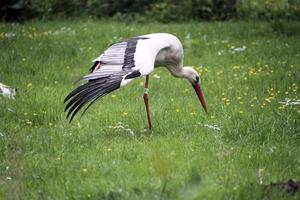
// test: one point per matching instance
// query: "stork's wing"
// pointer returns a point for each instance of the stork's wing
(117, 66)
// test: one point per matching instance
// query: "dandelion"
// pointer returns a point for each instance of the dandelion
(227, 102)
(84, 170)
(252, 105)
(239, 98)
(108, 149)
(124, 113)
(177, 110)
(50, 124)
(113, 96)
(268, 100)
(29, 85)
(236, 67)
(241, 112)
(28, 122)
(192, 113)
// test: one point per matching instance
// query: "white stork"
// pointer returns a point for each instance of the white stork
(126, 60)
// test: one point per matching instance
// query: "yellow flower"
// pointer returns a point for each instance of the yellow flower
(125, 113)
(268, 100)
(241, 112)
(252, 105)
(108, 149)
(113, 96)
(239, 98)
(177, 110)
(29, 85)
(84, 169)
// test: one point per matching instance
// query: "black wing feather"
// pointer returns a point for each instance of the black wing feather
(94, 91)
(98, 84)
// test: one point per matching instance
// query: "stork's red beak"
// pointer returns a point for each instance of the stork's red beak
(200, 95)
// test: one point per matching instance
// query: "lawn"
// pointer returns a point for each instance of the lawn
(248, 140)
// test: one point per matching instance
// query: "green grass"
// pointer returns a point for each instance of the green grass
(42, 156)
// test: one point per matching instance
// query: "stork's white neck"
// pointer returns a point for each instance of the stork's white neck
(178, 72)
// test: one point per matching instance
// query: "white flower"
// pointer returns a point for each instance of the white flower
(9, 35)
(121, 126)
(214, 126)
(240, 49)
(289, 102)
(224, 41)
(156, 76)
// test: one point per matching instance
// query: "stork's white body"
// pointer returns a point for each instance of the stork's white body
(161, 49)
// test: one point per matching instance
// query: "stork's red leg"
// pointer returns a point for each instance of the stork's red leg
(146, 100)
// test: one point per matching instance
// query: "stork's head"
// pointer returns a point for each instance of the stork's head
(192, 75)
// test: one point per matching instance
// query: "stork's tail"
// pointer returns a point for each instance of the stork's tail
(90, 92)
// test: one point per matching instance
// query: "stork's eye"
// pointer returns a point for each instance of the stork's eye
(197, 79)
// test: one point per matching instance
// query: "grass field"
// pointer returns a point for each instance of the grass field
(247, 140)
